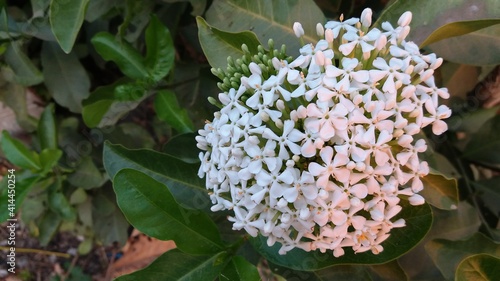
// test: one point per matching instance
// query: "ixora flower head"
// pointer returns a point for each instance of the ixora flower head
(317, 152)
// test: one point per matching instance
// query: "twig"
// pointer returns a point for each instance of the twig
(38, 251)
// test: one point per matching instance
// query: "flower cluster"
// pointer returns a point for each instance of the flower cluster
(317, 152)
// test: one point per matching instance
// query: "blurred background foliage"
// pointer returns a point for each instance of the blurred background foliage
(85, 83)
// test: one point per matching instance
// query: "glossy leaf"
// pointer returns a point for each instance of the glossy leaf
(218, 45)
(151, 208)
(456, 29)
(66, 19)
(26, 73)
(447, 254)
(239, 269)
(480, 267)
(268, 19)
(47, 133)
(440, 191)
(179, 177)
(65, 77)
(167, 108)
(160, 49)
(128, 59)
(418, 222)
(471, 122)
(175, 265)
(484, 145)
(183, 147)
(18, 154)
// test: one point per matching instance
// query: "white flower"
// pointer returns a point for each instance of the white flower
(318, 152)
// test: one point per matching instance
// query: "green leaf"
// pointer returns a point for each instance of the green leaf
(86, 175)
(218, 45)
(471, 122)
(47, 133)
(268, 19)
(23, 185)
(239, 269)
(65, 77)
(167, 108)
(456, 29)
(180, 178)
(48, 226)
(79, 196)
(160, 52)
(480, 267)
(97, 8)
(175, 265)
(418, 222)
(102, 109)
(440, 192)
(18, 154)
(473, 48)
(26, 73)
(183, 147)
(59, 204)
(447, 254)
(109, 224)
(49, 159)
(14, 96)
(128, 59)
(484, 145)
(151, 208)
(66, 19)
(456, 224)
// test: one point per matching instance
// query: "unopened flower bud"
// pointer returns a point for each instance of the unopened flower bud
(320, 30)
(297, 28)
(366, 17)
(405, 19)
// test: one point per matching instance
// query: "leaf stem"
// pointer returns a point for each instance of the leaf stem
(37, 251)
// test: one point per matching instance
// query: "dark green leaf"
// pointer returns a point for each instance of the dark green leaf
(160, 49)
(48, 226)
(447, 254)
(151, 208)
(23, 184)
(480, 267)
(440, 191)
(26, 73)
(484, 145)
(59, 204)
(66, 19)
(183, 147)
(418, 222)
(86, 175)
(18, 154)
(98, 8)
(390, 271)
(344, 272)
(128, 59)
(471, 122)
(109, 224)
(218, 45)
(268, 19)
(175, 265)
(239, 269)
(456, 29)
(65, 77)
(456, 224)
(167, 108)
(102, 108)
(179, 177)
(47, 133)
